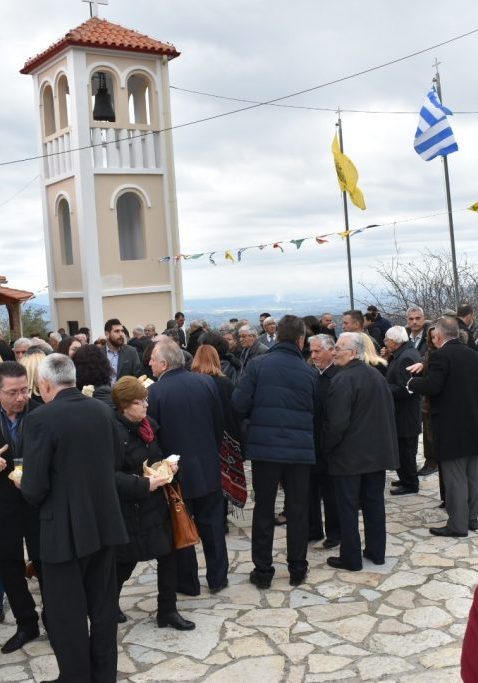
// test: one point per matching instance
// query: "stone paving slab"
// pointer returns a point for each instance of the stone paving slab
(398, 623)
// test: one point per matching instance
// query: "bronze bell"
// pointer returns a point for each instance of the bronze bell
(103, 109)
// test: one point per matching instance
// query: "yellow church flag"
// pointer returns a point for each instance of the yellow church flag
(347, 175)
(474, 207)
(228, 255)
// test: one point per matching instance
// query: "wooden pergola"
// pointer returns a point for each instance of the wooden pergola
(13, 300)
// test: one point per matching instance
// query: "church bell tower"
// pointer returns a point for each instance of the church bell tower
(108, 184)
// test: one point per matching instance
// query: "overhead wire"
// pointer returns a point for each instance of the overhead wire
(256, 105)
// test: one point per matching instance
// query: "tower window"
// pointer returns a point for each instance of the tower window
(64, 101)
(48, 111)
(129, 209)
(103, 100)
(66, 242)
(139, 99)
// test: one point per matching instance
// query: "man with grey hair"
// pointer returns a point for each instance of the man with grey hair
(251, 346)
(360, 443)
(269, 338)
(321, 483)
(450, 382)
(401, 354)
(187, 408)
(20, 347)
(70, 450)
(54, 338)
(139, 340)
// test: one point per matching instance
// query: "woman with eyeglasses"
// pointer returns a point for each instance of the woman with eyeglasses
(143, 503)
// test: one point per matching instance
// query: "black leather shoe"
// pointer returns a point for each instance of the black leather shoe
(188, 591)
(442, 505)
(369, 557)
(427, 470)
(473, 525)
(337, 563)
(396, 482)
(175, 620)
(259, 580)
(19, 639)
(446, 531)
(296, 578)
(316, 537)
(122, 618)
(402, 491)
(330, 543)
(220, 588)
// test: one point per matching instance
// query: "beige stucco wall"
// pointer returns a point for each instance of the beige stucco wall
(70, 309)
(144, 272)
(67, 278)
(51, 74)
(139, 309)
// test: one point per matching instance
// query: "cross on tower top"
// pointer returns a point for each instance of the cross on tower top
(94, 6)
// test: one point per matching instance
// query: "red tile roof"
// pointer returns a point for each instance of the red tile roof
(103, 34)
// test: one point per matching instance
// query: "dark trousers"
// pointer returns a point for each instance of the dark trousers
(364, 491)
(322, 488)
(208, 513)
(407, 452)
(166, 573)
(461, 482)
(19, 597)
(428, 447)
(75, 591)
(265, 481)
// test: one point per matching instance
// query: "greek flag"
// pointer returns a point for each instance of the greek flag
(434, 135)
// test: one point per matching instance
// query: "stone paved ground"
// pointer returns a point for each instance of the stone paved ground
(401, 623)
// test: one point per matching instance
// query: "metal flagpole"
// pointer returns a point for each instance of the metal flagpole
(346, 218)
(448, 203)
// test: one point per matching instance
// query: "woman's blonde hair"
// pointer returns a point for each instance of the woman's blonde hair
(207, 361)
(126, 390)
(31, 364)
(371, 356)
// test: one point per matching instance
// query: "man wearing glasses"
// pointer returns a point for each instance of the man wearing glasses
(18, 519)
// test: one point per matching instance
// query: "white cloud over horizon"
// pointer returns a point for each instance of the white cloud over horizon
(267, 174)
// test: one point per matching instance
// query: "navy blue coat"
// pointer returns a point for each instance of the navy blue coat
(278, 393)
(408, 416)
(187, 408)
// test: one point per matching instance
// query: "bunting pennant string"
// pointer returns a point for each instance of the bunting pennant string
(229, 254)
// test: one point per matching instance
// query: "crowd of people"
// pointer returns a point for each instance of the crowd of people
(321, 414)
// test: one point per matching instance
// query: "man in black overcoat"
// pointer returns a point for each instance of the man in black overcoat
(321, 483)
(408, 417)
(451, 382)
(187, 408)
(360, 443)
(69, 451)
(18, 519)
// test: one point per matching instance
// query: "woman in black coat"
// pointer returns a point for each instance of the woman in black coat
(143, 503)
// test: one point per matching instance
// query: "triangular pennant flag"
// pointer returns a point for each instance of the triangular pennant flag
(321, 240)
(239, 253)
(277, 245)
(347, 175)
(165, 259)
(211, 260)
(195, 256)
(344, 234)
(228, 255)
(261, 246)
(298, 243)
(474, 207)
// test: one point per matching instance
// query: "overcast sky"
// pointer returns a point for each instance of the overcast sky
(267, 174)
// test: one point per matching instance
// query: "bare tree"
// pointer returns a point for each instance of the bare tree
(426, 282)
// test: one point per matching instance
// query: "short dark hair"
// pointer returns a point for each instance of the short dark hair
(179, 314)
(64, 345)
(109, 324)
(10, 368)
(233, 320)
(372, 308)
(356, 315)
(290, 328)
(265, 315)
(92, 366)
(464, 310)
(215, 340)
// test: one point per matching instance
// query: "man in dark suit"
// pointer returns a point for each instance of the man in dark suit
(139, 340)
(321, 483)
(251, 346)
(18, 520)
(278, 393)
(180, 320)
(187, 407)
(402, 353)
(450, 382)
(466, 316)
(269, 338)
(123, 359)
(360, 443)
(69, 451)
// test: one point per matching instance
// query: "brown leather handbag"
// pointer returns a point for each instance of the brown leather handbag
(184, 528)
